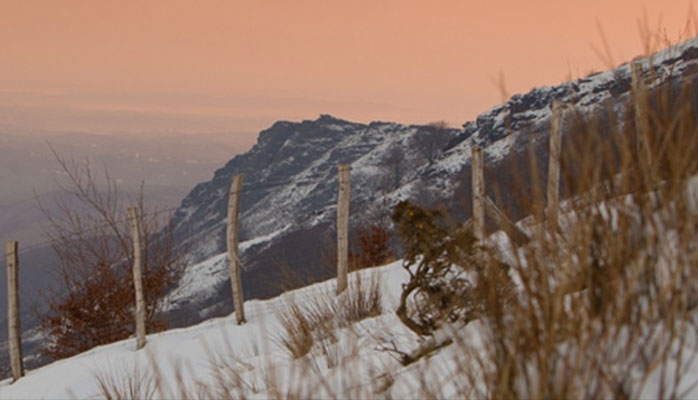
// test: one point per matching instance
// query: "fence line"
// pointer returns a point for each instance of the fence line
(482, 206)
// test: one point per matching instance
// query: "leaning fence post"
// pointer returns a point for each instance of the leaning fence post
(343, 227)
(234, 265)
(554, 164)
(13, 325)
(478, 180)
(134, 220)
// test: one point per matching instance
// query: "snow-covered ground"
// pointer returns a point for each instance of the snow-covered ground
(185, 358)
(218, 358)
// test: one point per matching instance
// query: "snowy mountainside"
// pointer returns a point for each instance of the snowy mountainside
(289, 178)
(290, 183)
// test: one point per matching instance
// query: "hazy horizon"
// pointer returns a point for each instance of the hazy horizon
(220, 66)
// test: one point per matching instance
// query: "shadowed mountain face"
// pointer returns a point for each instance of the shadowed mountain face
(290, 178)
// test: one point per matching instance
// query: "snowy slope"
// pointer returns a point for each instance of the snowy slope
(197, 349)
(218, 358)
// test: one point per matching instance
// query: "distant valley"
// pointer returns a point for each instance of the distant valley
(168, 164)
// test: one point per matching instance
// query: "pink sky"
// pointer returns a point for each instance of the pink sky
(130, 66)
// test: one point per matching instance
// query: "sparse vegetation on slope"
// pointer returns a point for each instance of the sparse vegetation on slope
(319, 318)
(604, 306)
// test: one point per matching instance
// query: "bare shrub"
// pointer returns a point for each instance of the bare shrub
(448, 283)
(431, 140)
(373, 247)
(90, 236)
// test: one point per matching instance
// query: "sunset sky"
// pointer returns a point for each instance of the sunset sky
(195, 66)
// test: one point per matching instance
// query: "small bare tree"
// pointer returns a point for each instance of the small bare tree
(431, 140)
(394, 166)
(89, 233)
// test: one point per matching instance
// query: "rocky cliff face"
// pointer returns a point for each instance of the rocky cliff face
(290, 184)
(290, 177)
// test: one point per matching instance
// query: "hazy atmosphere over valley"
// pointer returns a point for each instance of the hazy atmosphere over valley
(158, 107)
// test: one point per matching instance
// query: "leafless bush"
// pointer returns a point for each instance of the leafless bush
(373, 247)
(432, 139)
(90, 236)
(448, 282)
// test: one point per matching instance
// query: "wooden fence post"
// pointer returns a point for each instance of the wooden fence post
(478, 180)
(343, 227)
(554, 164)
(234, 265)
(13, 324)
(640, 101)
(134, 220)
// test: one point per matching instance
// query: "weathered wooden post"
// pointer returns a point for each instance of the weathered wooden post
(478, 180)
(134, 221)
(642, 125)
(343, 227)
(234, 265)
(13, 325)
(554, 164)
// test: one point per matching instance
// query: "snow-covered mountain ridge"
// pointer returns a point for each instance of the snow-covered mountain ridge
(289, 190)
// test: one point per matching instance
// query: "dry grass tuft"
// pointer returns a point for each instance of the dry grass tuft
(135, 383)
(319, 317)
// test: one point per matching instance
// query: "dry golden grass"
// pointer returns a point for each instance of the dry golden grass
(320, 317)
(606, 303)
